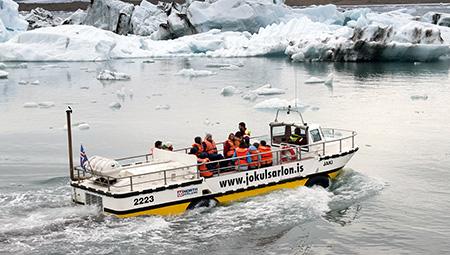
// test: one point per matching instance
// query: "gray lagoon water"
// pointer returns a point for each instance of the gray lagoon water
(392, 198)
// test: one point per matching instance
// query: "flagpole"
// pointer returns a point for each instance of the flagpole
(69, 142)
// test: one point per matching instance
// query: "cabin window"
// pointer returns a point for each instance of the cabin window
(315, 134)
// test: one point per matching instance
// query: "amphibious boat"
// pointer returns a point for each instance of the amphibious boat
(169, 182)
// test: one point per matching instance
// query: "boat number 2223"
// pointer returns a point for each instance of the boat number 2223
(143, 200)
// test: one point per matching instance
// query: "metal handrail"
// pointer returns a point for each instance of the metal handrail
(278, 153)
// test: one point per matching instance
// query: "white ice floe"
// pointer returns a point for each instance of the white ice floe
(250, 96)
(11, 22)
(36, 82)
(22, 82)
(277, 103)
(148, 61)
(3, 74)
(84, 126)
(313, 80)
(229, 91)
(110, 75)
(3, 66)
(30, 105)
(419, 97)
(194, 73)
(230, 67)
(47, 104)
(162, 107)
(267, 90)
(115, 105)
(84, 87)
(40, 17)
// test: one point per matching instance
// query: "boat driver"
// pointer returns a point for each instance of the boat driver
(296, 137)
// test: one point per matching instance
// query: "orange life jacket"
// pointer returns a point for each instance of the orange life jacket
(237, 142)
(199, 147)
(241, 152)
(230, 151)
(266, 154)
(211, 147)
(254, 157)
(204, 172)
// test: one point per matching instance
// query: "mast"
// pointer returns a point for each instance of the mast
(69, 142)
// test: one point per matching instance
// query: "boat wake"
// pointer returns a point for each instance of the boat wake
(46, 220)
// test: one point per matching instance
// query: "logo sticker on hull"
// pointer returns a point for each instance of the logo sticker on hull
(186, 192)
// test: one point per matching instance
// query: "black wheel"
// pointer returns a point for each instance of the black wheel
(203, 203)
(319, 180)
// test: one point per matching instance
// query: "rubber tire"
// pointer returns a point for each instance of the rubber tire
(202, 203)
(319, 180)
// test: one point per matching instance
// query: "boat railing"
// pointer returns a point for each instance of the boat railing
(280, 156)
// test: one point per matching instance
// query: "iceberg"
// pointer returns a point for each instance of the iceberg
(11, 22)
(321, 33)
(112, 15)
(146, 18)
(40, 17)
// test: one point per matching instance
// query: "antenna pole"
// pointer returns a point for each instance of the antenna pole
(69, 142)
(295, 99)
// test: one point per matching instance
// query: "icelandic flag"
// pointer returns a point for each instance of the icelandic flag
(83, 157)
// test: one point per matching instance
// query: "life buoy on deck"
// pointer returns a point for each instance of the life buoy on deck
(287, 154)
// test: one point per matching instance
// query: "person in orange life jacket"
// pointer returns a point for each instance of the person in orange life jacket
(209, 146)
(237, 139)
(202, 161)
(229, 146)
(256, 159)
(198, 144)
(242, 157)
(245, 132)
(266, 154)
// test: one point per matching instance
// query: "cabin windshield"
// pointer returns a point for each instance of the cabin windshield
(281, 134)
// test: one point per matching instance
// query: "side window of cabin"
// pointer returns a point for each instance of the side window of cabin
(315, 134)
(278, 134)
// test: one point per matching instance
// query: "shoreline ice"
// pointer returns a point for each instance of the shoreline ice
(320, 33)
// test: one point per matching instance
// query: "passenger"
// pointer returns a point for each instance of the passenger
(158, 145)
(266, 154)
(168, 146)
(198, 144)
(242, 156)
(256, 158)
(256, 145)
(209, 147)
(237, 139)
(229, 146)
(296, 137)
(202, 163)
(245, 133)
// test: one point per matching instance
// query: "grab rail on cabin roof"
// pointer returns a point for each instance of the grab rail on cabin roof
(278, 158)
